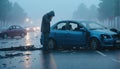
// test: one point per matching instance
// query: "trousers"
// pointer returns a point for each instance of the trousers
(45, 41)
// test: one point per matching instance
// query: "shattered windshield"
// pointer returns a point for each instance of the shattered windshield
(93, 26)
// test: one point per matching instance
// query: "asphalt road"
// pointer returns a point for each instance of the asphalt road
(57, 59)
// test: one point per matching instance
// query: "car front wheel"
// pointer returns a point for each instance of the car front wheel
(51, 44)
(94, 43)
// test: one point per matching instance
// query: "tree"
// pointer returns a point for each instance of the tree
(10, 12)
(117, 7)
(108, 9)
(83, 12)
(93, 12)
(5, 7)
(17, 14)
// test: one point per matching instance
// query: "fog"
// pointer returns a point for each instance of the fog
(63, 8)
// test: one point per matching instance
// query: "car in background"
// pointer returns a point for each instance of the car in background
(33, 29)
(12, 31)
(72, 33)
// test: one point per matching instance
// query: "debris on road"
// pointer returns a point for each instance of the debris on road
(11, 55)
(20, 48)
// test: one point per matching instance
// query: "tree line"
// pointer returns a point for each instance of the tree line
(107, 9)
(85, 13)
(11, 12)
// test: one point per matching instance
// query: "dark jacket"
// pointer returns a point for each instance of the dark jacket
(45, 27)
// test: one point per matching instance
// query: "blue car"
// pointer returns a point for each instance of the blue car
(90, 34)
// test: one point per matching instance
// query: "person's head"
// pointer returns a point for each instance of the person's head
(51, 14)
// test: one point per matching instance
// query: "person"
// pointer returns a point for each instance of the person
(45, 28)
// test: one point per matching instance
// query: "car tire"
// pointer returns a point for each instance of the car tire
(5, 36)
(51, 44)
(94, 43)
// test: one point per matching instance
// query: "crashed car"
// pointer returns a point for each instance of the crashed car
(72, 33)
(12, 31)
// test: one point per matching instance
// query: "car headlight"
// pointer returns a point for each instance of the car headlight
(105, 36)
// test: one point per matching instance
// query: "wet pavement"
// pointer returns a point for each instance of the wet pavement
(32, 38)
(56, 59)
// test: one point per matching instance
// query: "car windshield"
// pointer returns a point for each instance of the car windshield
(93, 26)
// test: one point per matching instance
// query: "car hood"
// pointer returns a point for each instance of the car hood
(105, 31)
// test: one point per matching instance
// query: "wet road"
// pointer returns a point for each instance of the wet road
(57, 59)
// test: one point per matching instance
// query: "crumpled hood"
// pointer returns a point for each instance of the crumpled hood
(105, 31)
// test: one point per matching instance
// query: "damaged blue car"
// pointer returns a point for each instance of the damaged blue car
(72, 33)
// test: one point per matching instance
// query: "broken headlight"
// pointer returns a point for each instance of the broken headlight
(105, 36)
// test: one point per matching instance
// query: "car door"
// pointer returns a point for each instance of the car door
(18, 30)
(10, 31)
(15, 31)
(61, 32)
(76, 37)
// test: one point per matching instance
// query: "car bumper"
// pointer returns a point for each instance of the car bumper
(110, 42)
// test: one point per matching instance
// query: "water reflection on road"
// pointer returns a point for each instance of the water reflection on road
(30, 59)
(27, 39)
(32, 38)
(27, 60)
(48, 61)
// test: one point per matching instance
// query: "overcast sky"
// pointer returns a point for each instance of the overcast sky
(63, 8)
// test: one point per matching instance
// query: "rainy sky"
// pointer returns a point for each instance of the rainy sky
(63, 8)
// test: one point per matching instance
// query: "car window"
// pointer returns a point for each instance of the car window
(74, 27)
(13, 27)
(10, 28)
(61, 26)
(18, 27)
(93, 26)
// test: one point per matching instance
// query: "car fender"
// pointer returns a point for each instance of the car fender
(52, 36)
(97, 37)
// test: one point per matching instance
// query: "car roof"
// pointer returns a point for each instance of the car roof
(15, 25)
(78, 21)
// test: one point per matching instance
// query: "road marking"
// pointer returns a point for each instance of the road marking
(115, 60)
(101, 53)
